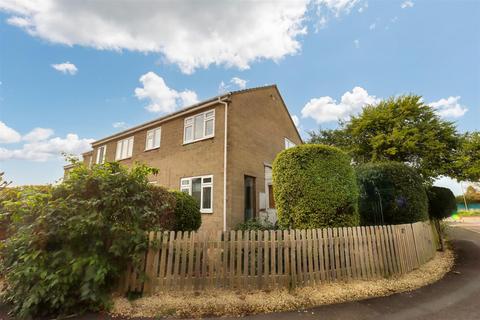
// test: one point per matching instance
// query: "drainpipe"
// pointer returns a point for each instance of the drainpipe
(225, 103)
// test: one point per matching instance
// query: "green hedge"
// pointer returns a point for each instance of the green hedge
(441, 202)
(187, 212)
(391, 193)
(315, 186)
(69, 245)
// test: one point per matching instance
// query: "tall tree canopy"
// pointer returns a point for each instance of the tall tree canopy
(468, 159)
(402, 129)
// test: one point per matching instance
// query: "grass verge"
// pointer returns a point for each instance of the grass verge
(231, 303)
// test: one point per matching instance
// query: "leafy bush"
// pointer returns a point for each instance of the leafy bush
(15, 194)
(441, 202)
(315, 186)
(70, 245)
(391, 193)
(256, 224)
(187, 212)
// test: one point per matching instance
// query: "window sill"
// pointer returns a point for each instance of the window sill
(117, 160)
(193, 141)
(146, 150)
(206, 211)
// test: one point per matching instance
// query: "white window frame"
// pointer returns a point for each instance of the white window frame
(98, 160)
(120, 153)
(190, 122)
(186, 186)
(289, 143)
(154, 141)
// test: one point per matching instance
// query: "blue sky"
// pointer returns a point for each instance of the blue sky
(72, 74)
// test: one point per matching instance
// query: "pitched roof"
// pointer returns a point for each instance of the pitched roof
(176, 113)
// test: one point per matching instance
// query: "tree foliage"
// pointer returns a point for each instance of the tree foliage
(69, 245)
(441, 202)
(468, 159)
(391, 193)
(315, 186)
(402, 129)
(472, 195)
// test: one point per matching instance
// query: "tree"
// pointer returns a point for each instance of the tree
(468, 158)
(402, 129)
(390, 193)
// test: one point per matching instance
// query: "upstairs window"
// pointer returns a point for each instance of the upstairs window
(153, 139)
(289, 144)
(201, 188)
(124, 149)
(101, 152)
(198, 127)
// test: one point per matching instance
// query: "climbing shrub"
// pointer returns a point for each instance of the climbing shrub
(391, 193)
(69, 245)
(441, 202)
(315, 186)
(187, 212)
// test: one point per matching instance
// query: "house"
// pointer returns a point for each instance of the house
(220, 151)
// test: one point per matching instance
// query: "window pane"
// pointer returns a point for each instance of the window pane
(188, 134)
(130, 147)
(124, 149)
(197, 189)
(209, 114)
(207, 180)
(209, 127)
(185, 182)
(149, 140)
(207, 198)
(157, 138)
(186, 190)
(118, 153)
(198, 127)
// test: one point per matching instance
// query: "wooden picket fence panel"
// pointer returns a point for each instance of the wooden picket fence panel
(282, 258)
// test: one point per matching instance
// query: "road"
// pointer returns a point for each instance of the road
(456, 296)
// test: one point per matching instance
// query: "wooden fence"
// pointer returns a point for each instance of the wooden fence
(288, 258)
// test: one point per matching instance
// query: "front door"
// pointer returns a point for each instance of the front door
(249, 187)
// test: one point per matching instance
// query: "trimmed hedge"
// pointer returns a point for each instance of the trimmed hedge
(187, 212)
(391, 193)
(314, 187)
(441, 202)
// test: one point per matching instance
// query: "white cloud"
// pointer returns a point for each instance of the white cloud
(372, 26)
(356, 43)
(119, 125)
(326, 109)
(162, 98)
(407, 4)
(191, 34)
(65, 68)
(338, 6)
(449, 107)
(235, 82)
(47, 149)
(8, 135)
(327, 8)
(38, 134)
(241, 83)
